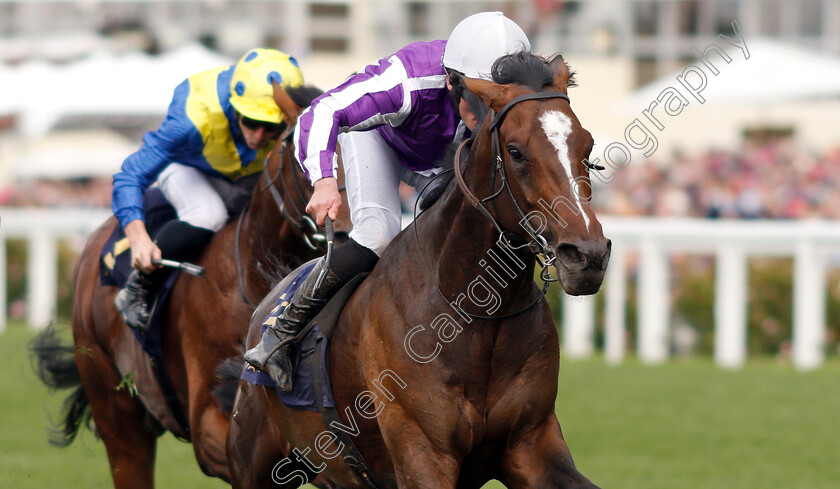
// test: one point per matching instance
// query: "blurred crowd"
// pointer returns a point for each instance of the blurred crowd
(775, 180)
(771, 180)
(82, 193)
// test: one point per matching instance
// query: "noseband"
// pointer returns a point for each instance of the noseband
(539, 246)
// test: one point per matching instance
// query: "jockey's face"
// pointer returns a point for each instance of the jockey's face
(258, 134)
(464, 109)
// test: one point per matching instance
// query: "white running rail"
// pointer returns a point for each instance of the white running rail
(41, 228)
(732, 242)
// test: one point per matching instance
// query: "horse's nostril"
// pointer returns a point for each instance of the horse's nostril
(570, 254)
(608, 252)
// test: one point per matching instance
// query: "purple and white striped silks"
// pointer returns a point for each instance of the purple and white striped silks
(403, 97)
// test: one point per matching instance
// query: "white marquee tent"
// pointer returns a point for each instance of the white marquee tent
(779, 85)
(39, 95)
(101, 84)
(775, 72)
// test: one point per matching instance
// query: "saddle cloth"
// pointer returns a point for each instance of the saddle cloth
(314, 347)
(115, 267)
(303, 380)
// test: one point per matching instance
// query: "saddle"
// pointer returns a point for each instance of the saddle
(311, 384)
(114, 259)
(311, 381)
(115, 267)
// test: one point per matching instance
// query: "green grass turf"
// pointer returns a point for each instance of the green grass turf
(28, 461)
(686, 424)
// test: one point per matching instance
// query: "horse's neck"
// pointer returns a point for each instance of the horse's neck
(266, 238)
(466, 249)
(262, 225)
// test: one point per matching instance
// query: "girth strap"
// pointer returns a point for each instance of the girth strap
(326, 320)
(167, 389)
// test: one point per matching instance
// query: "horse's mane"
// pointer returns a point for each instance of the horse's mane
(304, 94)
(527, 69)
(274, 268)
(521, 68)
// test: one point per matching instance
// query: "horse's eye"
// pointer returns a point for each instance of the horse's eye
(515, 154)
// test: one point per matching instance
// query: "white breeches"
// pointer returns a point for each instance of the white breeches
(372, 174)
(200, 200)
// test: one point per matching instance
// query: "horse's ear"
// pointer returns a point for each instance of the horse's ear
(492, 94)
(560, 71)
(291, 111)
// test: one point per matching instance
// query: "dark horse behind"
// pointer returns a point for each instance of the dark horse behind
(444, 362)
(110, 375)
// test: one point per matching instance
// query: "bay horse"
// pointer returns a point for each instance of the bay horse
(205, 324)
(444, 362)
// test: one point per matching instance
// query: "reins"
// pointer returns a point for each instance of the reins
(539, 246)
(305, 224)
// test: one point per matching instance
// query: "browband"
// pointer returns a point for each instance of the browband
(528, 96)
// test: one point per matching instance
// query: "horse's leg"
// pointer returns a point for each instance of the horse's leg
(210, 438)
(253, 448)
(258, 454)
(541, 460)
(120, 420)
(417, 462)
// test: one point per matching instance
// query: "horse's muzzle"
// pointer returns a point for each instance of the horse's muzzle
(581, 265)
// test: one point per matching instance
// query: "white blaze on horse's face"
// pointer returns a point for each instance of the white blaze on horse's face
(557, 127)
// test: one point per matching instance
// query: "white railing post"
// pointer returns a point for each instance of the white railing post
(42, 287)
(614, 321)
(4, 296)
(578, 325)
(654, 302)
(808, 306)
(730, 306)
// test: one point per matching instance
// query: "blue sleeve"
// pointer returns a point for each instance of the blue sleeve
(175, 136)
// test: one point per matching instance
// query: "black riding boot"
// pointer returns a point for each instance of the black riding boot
(177, 240)
(133, 300)
(273, 353)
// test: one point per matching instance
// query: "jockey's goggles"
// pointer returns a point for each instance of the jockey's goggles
(269, 127)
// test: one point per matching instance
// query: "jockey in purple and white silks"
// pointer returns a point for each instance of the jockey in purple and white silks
(392, 122)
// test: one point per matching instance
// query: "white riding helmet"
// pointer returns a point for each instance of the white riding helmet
(479, 40)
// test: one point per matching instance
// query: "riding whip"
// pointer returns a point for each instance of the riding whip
(328, 224)
(194, 270)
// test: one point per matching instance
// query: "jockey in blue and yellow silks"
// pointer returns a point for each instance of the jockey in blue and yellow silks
(206, 157)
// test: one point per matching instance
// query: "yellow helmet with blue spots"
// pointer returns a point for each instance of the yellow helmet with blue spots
(251, 92)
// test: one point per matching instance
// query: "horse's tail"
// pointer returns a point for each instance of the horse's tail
(227, 374)
(55, 365)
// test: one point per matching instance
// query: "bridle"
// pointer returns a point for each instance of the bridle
(304, 223)
(312, 237)
(539, 245)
